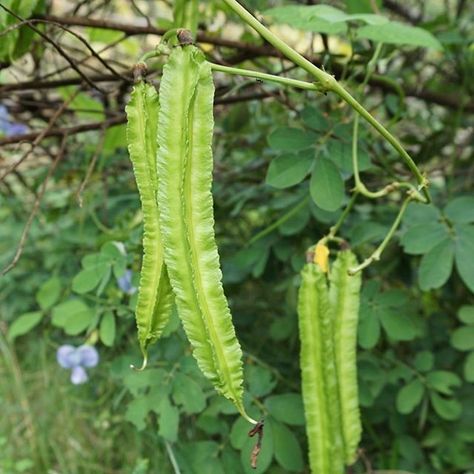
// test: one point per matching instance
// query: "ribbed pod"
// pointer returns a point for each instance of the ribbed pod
(155, 297)
(187, 223)
(317, 365)
(344, 299)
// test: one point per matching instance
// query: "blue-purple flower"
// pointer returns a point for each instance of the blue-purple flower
(7, 127)
(125, 283)
(77, 359)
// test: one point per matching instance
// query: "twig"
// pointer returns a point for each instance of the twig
(55, 132)
(40, 136)
(91, 166)
(35, 209)
(120, 119)
(59, 49)
(38, 84)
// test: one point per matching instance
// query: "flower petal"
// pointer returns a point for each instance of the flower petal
(78, 375)
(67, 357)
(89, 357)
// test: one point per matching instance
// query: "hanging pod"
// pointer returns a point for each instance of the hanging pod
(344, 295)
(185, 163)
(318, 373)
(328, 332)
(155, 297)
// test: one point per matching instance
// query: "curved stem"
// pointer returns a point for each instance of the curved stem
(280, 221)
(378, 251)
(329, 83)
(266, 77)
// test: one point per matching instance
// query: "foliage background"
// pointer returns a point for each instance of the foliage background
(416, 333)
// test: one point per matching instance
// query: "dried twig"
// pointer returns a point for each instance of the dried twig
(34, 211)
(91, 167)
(40, 136)
(58, 48)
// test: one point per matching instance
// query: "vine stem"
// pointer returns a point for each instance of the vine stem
(329, 83)
(378, 251)
(280, 221)
(266, 77)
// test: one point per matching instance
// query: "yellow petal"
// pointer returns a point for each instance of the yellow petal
(321, 257)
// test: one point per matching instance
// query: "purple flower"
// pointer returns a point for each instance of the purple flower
(7, 127)
(77, 359)
(125, 283)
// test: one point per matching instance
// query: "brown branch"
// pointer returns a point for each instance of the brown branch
(56, 46)
(133, 30)
(40, 136)
(34, 211)
(36, 85)
(55, 132)
(249, 51)
(118, 120)
(90, 168)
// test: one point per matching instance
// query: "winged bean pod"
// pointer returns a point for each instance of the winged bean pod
(155, 297)
(187, 223)
(344, 299)
(318, 373)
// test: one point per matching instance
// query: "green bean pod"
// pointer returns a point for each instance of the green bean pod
(344, 299)
(155, 296)
(184, 192)
(318, 373)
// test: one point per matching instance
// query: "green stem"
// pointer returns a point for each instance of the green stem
(335, 228)
(266, 77)
(378, 251)
(280, 221)
(329, 83)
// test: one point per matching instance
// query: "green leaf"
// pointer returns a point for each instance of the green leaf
(464, 254)
(260, 380)
(409, 396)
(394, 32)
(447, 408)
(295, 223)
(460, 210)
(469, 368)
(417, 213)
(287, 408)
(398, 326)
(48, 293)
(24, 324)
(306, 18)
(169, 421)
(424, 361)
(326, 186)
(369, 327)
(443, 381)
(289, 169)
(466, 314)
(341, 154)
(314, 118)
(287, 448)
(73, 316)
(436, 265)
(239, 433)
(291, 139)
(463, 338)
(188, 394)
(136, 413)
(107, 329)
(86, 280)
(422, 238)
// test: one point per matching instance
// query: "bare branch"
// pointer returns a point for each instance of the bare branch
(40, 136)
(36, 205)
